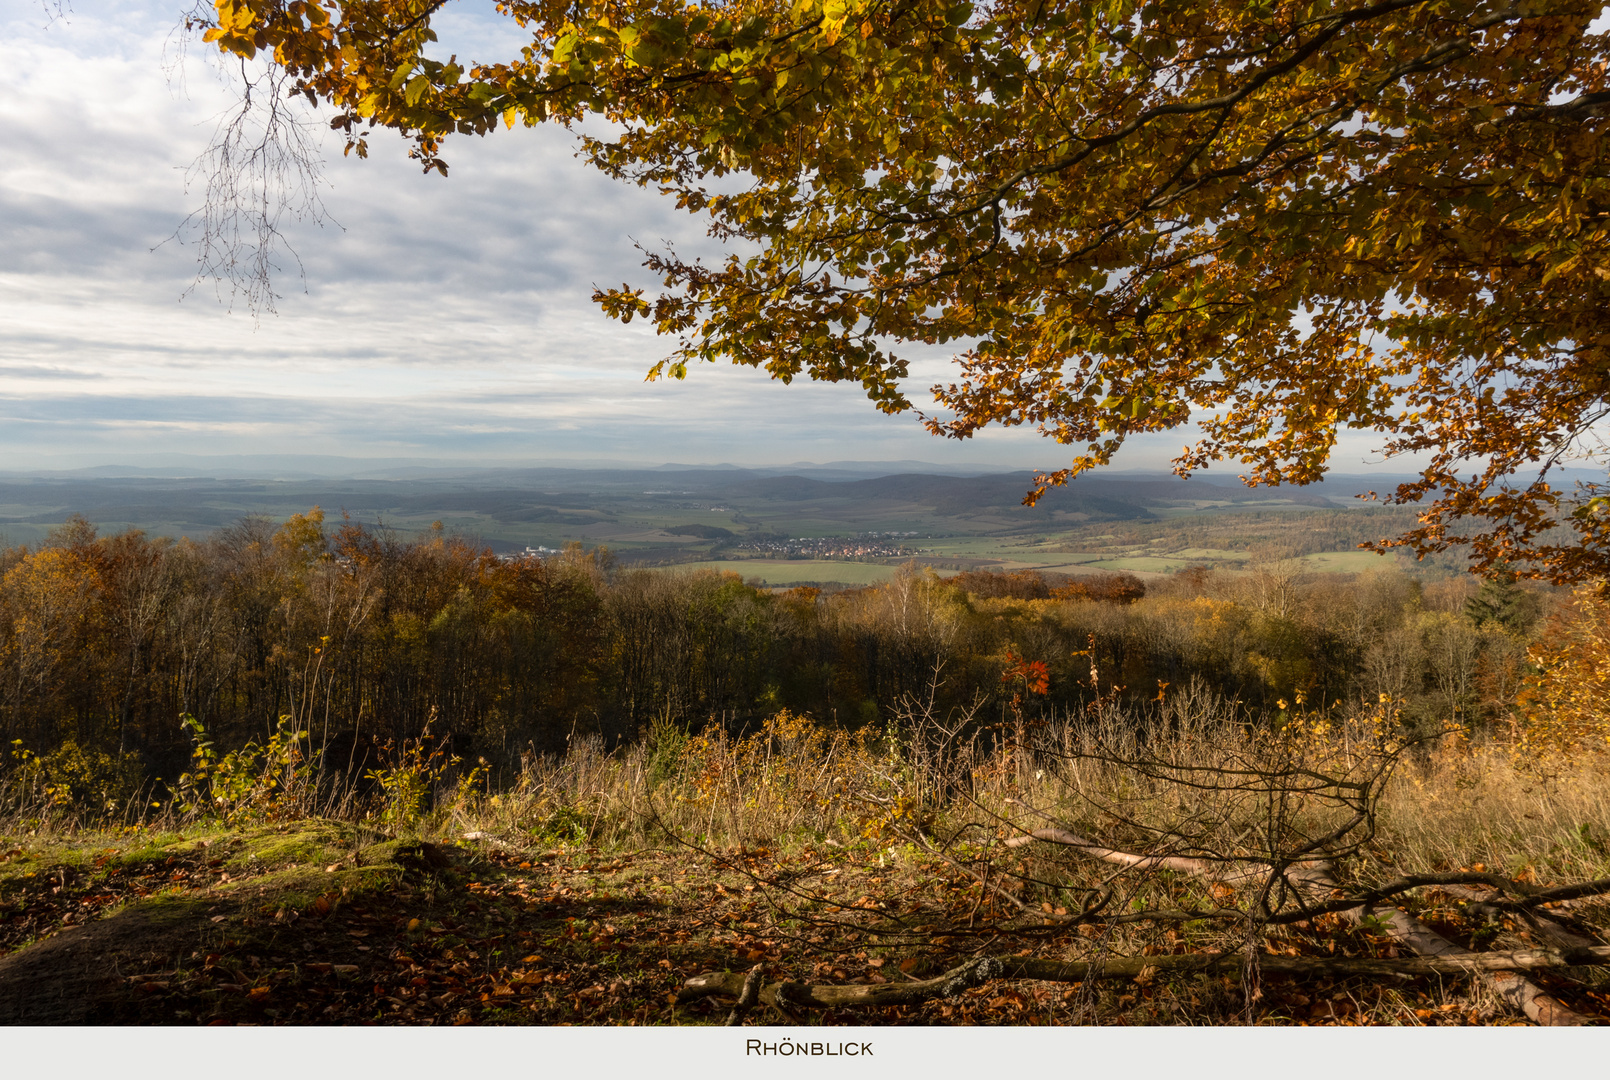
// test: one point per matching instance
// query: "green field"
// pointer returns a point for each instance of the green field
(1352, 562)
(796, 571)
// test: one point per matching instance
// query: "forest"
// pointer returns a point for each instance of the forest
(362, 638)
(316, 771)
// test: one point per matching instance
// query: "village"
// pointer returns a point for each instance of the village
(871, 545)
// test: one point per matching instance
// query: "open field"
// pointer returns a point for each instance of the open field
(802, 571)
(647, 515)
(948, 559)
(1351, 562)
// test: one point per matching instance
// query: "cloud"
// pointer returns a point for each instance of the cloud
(448, 318)
(39, 371)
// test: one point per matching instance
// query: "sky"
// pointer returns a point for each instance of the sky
(434, 320)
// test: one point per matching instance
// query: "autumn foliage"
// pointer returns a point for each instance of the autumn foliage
(1563, 709)
(1283, 221)
(275, 662)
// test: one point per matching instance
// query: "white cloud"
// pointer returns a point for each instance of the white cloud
(447, 318)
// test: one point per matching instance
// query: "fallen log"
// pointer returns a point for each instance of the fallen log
(1550, 930)
(748, 996)
(1317, 879)
(1203, 868)
(986, 969)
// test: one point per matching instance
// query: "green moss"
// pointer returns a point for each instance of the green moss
(170, 909)
(305, 843)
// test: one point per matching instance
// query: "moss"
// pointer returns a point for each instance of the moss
(169, 910)
(305, 843)
(303, 885)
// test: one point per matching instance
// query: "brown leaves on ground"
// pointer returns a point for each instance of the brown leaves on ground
(41, 903)
(579, 936)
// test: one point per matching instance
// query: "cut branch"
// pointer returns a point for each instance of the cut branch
(1203, 868)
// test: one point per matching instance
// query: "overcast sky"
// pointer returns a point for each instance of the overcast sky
(438, 319)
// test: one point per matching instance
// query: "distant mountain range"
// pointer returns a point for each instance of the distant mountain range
(624, 506)
(290, 467)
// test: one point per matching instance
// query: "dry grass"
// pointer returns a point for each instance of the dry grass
(1466, 803)
(915, 817)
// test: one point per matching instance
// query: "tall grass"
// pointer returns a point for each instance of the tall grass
(1193, 775)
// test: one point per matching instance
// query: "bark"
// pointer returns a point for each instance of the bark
(983, 970)
(1203, 868)
(1550, 930)
(748, 995)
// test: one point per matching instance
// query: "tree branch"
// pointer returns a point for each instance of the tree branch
(986, 969)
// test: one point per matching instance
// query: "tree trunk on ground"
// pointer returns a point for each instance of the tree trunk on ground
(985, 969)
(1317, 879)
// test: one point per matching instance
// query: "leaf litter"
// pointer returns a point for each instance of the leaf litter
(494, 935)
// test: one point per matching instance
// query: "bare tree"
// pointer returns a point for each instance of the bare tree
(262, 171)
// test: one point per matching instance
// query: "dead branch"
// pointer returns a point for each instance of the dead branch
(747, 996)
(987, 969)
(1550, 930)
(1317, 880)
(1202, 868)
(1538, 1006)
(1530, 896)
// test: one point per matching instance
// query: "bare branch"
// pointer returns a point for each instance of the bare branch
(986, 969)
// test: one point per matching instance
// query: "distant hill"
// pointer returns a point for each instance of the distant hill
(510, 508)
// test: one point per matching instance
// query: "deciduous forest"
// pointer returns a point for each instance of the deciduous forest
(359, 639)
(315, 771)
